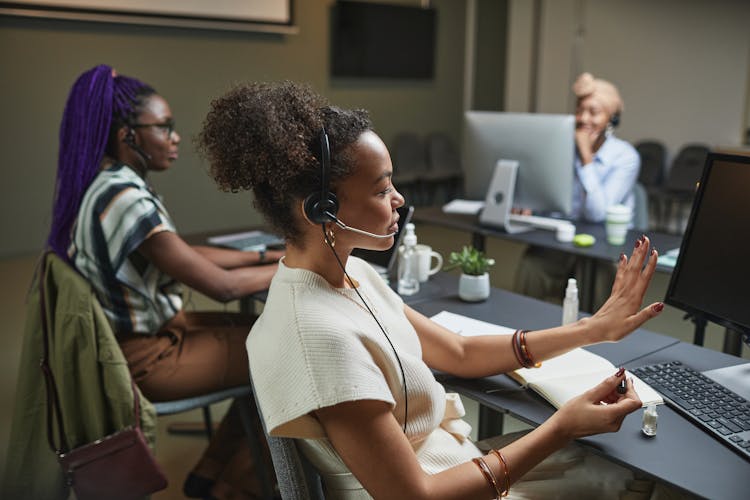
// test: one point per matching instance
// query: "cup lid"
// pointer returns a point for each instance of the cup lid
(618, 210)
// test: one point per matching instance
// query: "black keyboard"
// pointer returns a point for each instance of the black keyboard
(711, 406)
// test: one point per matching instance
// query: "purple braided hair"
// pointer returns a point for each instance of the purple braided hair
(98, 101)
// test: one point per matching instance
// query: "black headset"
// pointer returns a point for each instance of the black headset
(130, 141)
(614, 120)
(322, 207)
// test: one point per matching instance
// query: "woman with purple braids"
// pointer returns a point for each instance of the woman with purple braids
(112, 227)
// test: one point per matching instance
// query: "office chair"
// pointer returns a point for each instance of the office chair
(444, 175)
(681, 183)
(409, 166)
(245, 405)
(640, 210)
(651, 176)
(296, 476)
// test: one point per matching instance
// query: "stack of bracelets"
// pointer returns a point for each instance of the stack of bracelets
(490, 476)
(521, 350)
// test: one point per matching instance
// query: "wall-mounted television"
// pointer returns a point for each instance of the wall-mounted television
(372, 40)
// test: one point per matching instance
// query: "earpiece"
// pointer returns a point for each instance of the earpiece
(322, 207)
(614, 120)
(130, 141)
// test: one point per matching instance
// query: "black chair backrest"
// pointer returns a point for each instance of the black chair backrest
(653, 162)
(442, 153)
(687, 168)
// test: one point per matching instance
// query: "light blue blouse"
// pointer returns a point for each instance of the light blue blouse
(607, 180)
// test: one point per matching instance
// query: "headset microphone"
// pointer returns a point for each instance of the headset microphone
(340, 224)
(130, 141)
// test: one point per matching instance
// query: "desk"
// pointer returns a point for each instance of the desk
(600, 251)
(681, 454)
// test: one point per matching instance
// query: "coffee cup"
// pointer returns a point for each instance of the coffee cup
(617, 223)
(425, 257)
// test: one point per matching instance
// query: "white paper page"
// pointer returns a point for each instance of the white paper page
(577, 361)
(560, 390)
(468, 207)
(469, 327)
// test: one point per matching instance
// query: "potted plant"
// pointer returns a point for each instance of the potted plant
(474, 284)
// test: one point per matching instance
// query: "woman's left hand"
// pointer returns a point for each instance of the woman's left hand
(621, 313)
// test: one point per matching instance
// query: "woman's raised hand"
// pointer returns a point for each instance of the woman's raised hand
(622, 313)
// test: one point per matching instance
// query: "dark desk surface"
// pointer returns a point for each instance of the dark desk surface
(601, 250)
(680, 454)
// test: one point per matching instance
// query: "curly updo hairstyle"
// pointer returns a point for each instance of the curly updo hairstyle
(265, 137)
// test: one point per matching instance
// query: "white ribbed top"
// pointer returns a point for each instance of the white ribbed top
(316, 346)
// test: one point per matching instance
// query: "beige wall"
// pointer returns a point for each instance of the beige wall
(40, 59)
(682, 66)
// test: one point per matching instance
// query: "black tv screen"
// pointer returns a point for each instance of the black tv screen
(382, 41)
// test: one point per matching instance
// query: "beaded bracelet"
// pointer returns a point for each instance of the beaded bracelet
(527, 352)
(522, 351)
(488, 475)
(506, 471)
(516, 350)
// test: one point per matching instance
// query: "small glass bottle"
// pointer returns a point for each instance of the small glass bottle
(408, 265)
(570, 303)
(649, 420)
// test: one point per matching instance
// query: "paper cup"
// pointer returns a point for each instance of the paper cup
(617, 223)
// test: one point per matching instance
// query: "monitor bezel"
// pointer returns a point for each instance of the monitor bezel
(669, 299)
(546, 184)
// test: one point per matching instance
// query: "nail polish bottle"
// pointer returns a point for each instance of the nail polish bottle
(649, 420)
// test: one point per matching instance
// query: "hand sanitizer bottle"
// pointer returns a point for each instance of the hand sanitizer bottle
(570, 303)
(408, 273)
(649, 420)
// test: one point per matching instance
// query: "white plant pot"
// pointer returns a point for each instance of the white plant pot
(474, 288)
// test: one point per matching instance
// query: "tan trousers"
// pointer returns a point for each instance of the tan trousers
(193, 354)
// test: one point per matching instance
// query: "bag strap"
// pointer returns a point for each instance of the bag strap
(53, 401)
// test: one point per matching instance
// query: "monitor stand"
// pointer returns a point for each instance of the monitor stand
(499, 198)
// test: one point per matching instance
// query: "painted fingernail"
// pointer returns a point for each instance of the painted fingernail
(653, 251)
(637, 243)
(659, 306)
(622, 256)
(620, 372)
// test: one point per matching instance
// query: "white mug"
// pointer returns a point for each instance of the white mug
(425, 255)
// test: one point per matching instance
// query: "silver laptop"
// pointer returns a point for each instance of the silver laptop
(499, 198)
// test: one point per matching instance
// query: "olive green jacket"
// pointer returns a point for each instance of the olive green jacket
(92, 378)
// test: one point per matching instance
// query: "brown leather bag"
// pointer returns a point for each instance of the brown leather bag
(118, 466)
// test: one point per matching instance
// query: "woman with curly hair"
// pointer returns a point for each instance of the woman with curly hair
(340, 363)
(111, 225)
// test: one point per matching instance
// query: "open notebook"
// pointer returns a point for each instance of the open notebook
(558, 379)
(573, 373)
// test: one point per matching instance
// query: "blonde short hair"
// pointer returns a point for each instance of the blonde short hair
(605, 92)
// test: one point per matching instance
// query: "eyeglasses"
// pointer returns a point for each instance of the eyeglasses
(166, 126)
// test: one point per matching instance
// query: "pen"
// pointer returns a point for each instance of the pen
(622, 387)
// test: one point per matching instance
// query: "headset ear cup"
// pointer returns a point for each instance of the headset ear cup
(317, 210)
(130, 137)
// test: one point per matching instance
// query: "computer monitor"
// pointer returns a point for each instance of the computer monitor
(544, 146)
(711, 278)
